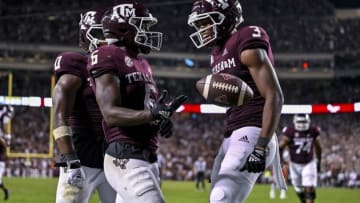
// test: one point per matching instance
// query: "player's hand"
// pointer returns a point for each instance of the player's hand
(255, 163)
(75, 175)
(161, 110)
(165, 128)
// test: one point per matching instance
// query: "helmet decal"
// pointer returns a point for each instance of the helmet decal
(122, 11)
(129, 24)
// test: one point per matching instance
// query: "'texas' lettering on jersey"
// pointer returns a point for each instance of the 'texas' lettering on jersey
(138, 76)
(222, 65)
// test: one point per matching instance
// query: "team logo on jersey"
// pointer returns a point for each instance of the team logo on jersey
(121, 163)
(224, 64)
(128, 61)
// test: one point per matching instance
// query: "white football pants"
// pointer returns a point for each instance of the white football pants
(135, 180)
(303, 175)
(228, 184)
(95, 180)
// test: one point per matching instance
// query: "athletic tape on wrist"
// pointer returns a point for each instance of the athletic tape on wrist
(62, 131)
(263, 142)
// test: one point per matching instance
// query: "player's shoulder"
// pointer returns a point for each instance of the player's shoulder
(69, 62)
(107, 58)
(107, 54)
(110, 50)
(314, 129)
(288, 130)
(251, 31)
(65, 59)
(72, 56)
(250, 37)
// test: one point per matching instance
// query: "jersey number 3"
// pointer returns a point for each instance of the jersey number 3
(257, 32)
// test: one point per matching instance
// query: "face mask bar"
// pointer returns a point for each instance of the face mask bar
(143, 36)
(213, 19)
(95, 36)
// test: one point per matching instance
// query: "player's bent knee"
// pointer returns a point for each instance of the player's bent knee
(218, 195)
(310, 195)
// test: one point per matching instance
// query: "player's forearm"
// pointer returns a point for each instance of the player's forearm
(271, 115)
(65, 145)
(119, 116)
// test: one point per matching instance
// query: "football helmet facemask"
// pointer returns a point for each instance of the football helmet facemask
(301, 122)
(128, 24)
(212, 17)
(91, 30)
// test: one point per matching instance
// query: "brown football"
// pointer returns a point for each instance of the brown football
(224, 89)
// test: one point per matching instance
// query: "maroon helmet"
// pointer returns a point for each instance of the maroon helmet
(211, 18)
(91, 31)
(127, 24)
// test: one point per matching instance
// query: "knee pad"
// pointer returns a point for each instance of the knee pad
(141, 180)
(310, 195)
(219, 195)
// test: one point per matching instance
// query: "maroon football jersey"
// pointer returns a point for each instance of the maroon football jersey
(85, 119)
(138, 91)
(301, 146)
(226, 59)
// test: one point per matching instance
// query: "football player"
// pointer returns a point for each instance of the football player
(128, 99)
(250, 143)
(77, 121)
(302, 139)
(5, 115)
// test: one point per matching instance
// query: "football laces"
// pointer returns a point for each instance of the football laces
(226, 87)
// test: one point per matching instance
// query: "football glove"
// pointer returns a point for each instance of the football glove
(75, 175)
(255, 163)
(165, 128)
(162, 111)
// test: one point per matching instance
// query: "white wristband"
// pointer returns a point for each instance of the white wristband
(62, 131)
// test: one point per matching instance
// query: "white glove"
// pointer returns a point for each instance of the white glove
(75, 176)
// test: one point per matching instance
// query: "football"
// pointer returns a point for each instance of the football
(224, 89)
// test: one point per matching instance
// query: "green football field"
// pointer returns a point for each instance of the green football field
(27, 190)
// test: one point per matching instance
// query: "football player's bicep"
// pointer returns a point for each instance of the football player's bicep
(261, 70)
(64, 96)
(107, 92)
